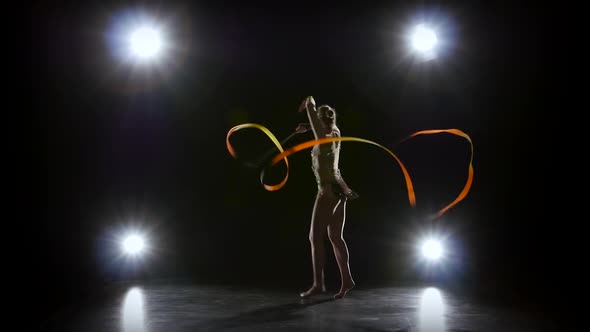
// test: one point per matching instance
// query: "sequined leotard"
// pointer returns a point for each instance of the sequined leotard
(324, 163)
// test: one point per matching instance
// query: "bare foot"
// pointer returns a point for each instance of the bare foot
(344, 290)
(312, 291)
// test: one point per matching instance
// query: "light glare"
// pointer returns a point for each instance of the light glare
(133, 244)
(432, 249)
(133, 311)
(424, 39)
(145, 42)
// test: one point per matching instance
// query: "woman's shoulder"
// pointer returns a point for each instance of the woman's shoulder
(335, 132)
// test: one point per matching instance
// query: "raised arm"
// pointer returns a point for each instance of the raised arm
(317, 125)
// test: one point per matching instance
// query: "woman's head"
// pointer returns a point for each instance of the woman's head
(327, 114)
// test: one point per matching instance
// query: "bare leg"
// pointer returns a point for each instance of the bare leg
(335, 233)
(317, 233)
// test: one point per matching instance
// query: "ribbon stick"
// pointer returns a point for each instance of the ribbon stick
(308, 144)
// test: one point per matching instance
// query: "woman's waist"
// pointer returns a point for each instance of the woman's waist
(325, 175)
(326, 170)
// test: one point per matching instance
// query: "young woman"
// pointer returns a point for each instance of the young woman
(329, 211)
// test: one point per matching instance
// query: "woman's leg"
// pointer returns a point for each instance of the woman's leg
(317, 234)
(335, 233)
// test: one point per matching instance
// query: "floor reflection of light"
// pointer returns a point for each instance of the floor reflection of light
(431, 316)
(133, 312)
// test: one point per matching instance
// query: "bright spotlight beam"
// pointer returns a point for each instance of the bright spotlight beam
(145, 42)
(133, 244)
(432, 249)
(424, 41)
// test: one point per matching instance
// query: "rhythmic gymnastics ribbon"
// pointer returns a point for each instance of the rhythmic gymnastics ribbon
(308, 144)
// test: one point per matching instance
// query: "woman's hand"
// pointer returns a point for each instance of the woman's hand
(309, 102)
(302, 128)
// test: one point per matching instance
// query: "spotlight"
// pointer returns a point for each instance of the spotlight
(141, 39)
(133, 244)
(145, 42)
(423, 41)
(432, 249)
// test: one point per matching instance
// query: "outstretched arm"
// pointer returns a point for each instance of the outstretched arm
(303, 128)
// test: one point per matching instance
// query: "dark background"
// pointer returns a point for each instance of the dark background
(116, 146)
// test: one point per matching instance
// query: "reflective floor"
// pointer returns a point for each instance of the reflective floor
(169, 308)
